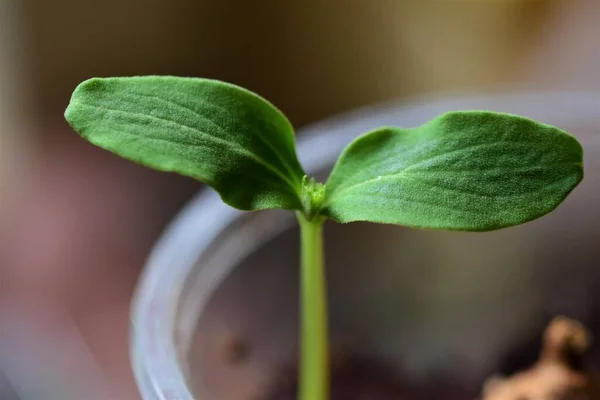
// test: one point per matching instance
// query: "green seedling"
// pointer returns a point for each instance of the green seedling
(461, 171)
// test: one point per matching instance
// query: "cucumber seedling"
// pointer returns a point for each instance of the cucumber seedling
(462, 171)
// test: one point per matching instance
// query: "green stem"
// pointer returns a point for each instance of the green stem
(314, 348)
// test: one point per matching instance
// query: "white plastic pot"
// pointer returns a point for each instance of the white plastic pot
(424, 302)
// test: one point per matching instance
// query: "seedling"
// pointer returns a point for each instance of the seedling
(461, 171)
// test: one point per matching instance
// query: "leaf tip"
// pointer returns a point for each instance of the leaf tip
(81, 90)
(89, 85)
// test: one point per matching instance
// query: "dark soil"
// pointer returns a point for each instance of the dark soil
(356, 380)
(359, 379)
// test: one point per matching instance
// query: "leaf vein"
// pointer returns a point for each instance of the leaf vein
(232, 145)
(204, 179)
(514, 196)
(413, 169)
(274, 149)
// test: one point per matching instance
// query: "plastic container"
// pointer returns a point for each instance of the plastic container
(418, 300)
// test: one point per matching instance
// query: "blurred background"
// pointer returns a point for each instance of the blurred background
(77, 223)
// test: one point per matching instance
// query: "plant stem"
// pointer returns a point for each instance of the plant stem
(314, 348)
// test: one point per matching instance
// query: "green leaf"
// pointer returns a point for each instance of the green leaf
(468, 171)
(218, 133)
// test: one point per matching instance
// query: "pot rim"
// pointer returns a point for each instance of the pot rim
(157, 369)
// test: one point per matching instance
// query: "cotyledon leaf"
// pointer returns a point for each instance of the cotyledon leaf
(464, 170)
(218, 133)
